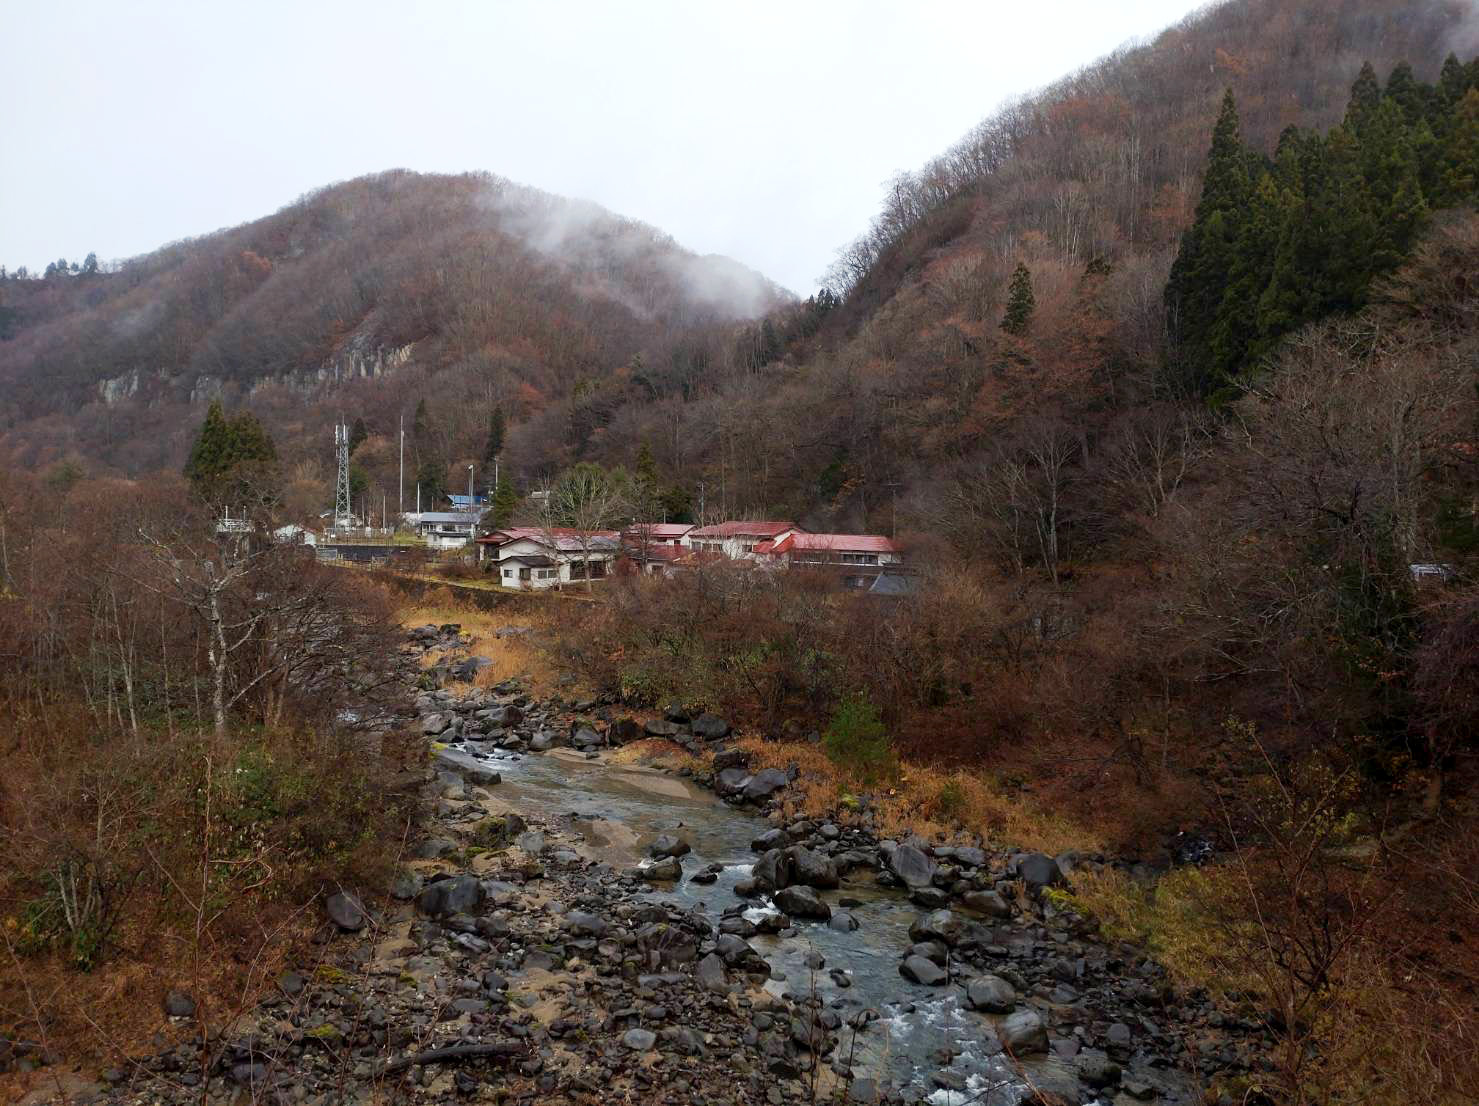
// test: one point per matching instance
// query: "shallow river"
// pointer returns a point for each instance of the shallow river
(620, 809)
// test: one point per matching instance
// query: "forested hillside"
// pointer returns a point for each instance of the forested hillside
(468, 290)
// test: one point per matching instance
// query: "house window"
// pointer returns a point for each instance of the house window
(508, 574)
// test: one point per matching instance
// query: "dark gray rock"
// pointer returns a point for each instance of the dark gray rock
(910, 865)
(711, 974)
(1023, 1033)
(177, 1004)
(346, 912)
(669, 844)
(931, 898)
(918, 969)
(802, 902)
(765, 783)
(582, 924)
(434, 724)
(710, 727)
(639, 1040)
(731, 781)
(770, 839)
(990, 903)
(813, 868)
(665, 870)
(773, 870)
(659, 728)
(1096, 1069)
(730, 758)
(586, 738)
(992, 994)
(942, 925)
(843, 922)
(1038, 870)
(457, 895)
(624, 731)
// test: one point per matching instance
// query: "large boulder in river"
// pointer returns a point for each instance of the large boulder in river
(918, 969)
(802, 902)
(992, 994)
(773, 870)
(765, 783)
(941, 925)
(813, 868)
(668, 844)
(910, 864)
(664, 871)
(434, 724)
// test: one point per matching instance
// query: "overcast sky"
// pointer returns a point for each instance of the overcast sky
(764, 131)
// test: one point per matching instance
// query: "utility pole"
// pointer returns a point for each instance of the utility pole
(400, 503)
(701, 520)
(472, 527)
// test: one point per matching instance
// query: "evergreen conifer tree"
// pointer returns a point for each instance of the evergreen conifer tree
(233, 461)
(357, 435)
(210, 455)
(1201, 272)
(505, 503)
(1458, 181)
(1020, 301)
(1365, 96)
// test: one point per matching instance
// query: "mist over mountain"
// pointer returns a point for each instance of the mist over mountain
(392, 273)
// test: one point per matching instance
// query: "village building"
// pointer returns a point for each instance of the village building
(736, 540)
(445, 529)
(857, 559)
(651, 547)
(529, 558)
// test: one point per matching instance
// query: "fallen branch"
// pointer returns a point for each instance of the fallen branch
(449, 1054)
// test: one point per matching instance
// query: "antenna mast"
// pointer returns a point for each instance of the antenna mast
(341, 493)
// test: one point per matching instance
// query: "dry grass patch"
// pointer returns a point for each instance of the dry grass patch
(521, 656)
(657, 752)
(938, 804)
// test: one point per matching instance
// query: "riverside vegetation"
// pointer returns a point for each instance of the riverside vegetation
(1181, 448)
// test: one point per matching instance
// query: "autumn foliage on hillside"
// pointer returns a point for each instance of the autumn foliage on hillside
(470, 290)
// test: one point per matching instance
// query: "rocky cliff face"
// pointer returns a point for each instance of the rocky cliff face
(357, 360)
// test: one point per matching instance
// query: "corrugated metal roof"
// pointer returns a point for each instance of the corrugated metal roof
(464, 518)
(659, 531)
(564, 539)
(837, 543)
(742, 530)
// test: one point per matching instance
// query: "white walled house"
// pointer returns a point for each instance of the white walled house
(531, 558)
(444, 529)
(737, 540)
(857, 558)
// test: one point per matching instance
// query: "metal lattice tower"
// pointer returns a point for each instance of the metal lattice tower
(341, 492)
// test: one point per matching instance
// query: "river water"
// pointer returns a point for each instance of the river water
(919, 1030)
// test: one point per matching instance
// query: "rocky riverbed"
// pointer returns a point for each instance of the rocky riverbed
(570, 929)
